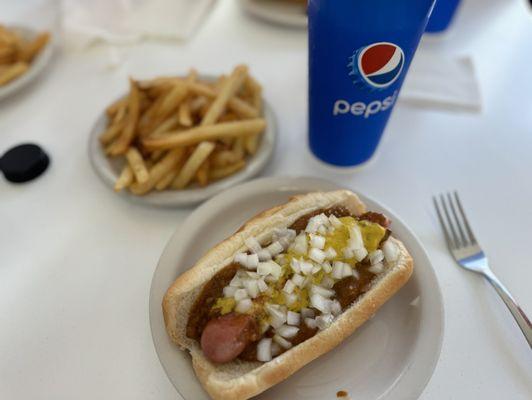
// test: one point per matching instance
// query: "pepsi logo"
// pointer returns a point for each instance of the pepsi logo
(380, 64)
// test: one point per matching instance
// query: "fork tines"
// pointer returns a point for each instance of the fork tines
(453, 220)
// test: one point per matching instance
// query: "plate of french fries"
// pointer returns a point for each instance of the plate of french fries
(24, 53)
(178, 140)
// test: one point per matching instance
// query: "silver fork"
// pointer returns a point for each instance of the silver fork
(468, 254)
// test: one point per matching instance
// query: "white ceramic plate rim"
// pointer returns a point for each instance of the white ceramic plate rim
(422, 363)
(280, 14)
(180, 198)
(36, 67)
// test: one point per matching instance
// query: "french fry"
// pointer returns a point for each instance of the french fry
(127, 135)
(28, 52)
(166, 180)
(251, 143)
(256, 92)
(157, 155)
(166, 126)
(136, 162)
(13, 72)
(198, 156)
(219, 173)
(201, 133)
(172, 99)
(112, 109)
(202, 174)
(112, 132)
(184, 113)
(166, 164)
(125, 179)
(229, 87)
(239, 106)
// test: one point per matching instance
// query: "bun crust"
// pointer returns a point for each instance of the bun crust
(241, 379)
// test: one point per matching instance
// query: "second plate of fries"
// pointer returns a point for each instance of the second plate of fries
(178, 140)
(24, 53)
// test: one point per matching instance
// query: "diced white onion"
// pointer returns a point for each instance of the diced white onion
(264, 350)
(317, 241)
(282, 341)
(289, 287)
(330, 253)
(390, 250)
(243, 306)
(306, 267)
(292, 318)
(337, 270)
(264, 255)
(262, 285)
(355, 237)
(376, 257)
(346, 270)
(290, 299)
(307, 313)
(280, 259)
(311, 323)
(252, 287)
(327, 282)
(241, 258)
(336, 308)
(229, 291)
(275, 248)
(295, 265)
(300, 245)
(241, 294)
(316, 255)
(236, 282)
(252, 261)
(287, 331)
(269, 268)
(324, 321)
(252, 244)
(277, 316)
(376, 269)
(322, 230)
(335, 221)
(315, 289)
(327, 267)
(298, 280)
(360, 253)
(270, 279)
(316, 268)
(276, 349)
(320, 303)
(252, 275)
(285, 241)
(276, 270)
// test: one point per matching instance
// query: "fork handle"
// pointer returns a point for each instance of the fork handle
(518, 313)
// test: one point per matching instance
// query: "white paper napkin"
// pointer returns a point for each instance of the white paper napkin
(438, 80)
(128, 21)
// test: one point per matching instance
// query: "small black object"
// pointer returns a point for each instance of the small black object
(24, 163)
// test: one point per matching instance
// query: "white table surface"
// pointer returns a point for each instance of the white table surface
(77, 260)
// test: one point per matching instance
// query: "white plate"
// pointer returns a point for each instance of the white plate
(391, 356)
(277, 12)
(36, 67)
(109, 170)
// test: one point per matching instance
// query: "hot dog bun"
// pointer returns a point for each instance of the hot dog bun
(241, 379)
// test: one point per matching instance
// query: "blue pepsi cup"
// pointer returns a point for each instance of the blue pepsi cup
(442, 15)
(359, 54)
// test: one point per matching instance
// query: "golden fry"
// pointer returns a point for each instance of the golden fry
(166, 180)
(166, 164)
(125, 179)
(256, 90)
(251, 143)
(112, 132)
(121, 145)
(172, 99)
(136, 162)
(228, 88)
(202, 174)
(198, 156)
(13, 72)
(201, 133)
(28, 52)
(219, 173)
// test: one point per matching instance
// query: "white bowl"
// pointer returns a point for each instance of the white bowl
(36, 67)
(109, 169)
(391, 356)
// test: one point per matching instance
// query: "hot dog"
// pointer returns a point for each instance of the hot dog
(290, 285)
